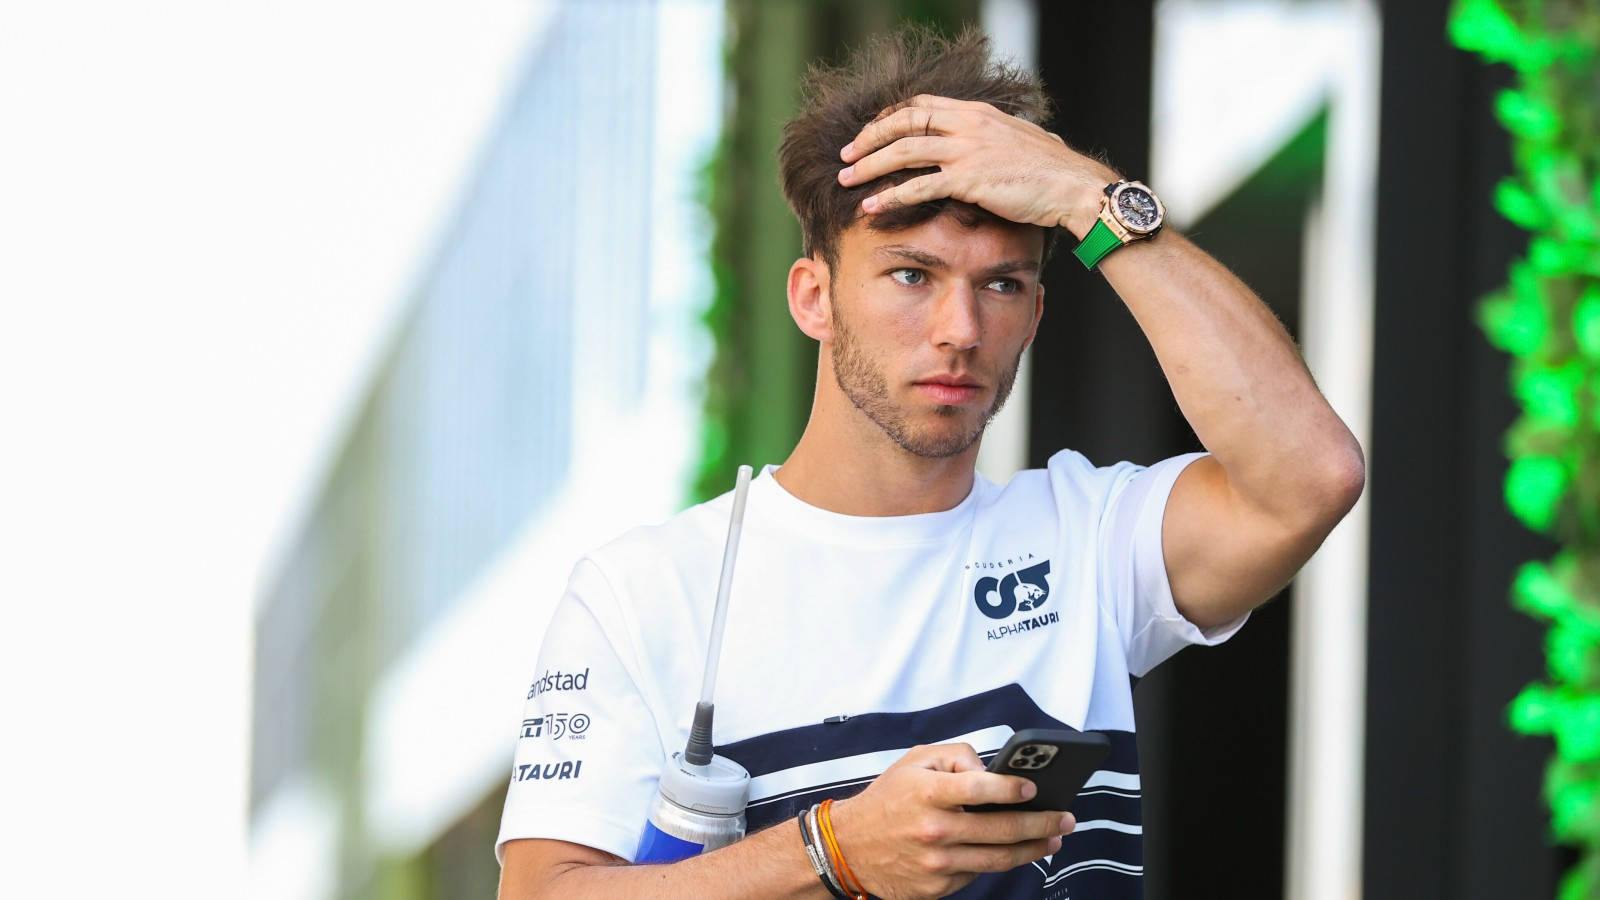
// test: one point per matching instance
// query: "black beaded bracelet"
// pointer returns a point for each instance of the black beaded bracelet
(817, 856)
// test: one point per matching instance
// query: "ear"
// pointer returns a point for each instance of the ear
(1038, 314)
(809, 302)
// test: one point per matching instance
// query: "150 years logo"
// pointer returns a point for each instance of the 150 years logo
(556, 724)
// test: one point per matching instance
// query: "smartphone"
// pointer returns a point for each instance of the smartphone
(1057, 761)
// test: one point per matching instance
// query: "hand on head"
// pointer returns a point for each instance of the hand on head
(1009, 166)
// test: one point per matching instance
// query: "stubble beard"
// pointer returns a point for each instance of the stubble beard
(864, 383)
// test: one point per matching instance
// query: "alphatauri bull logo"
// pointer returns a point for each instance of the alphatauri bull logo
(1024, 590)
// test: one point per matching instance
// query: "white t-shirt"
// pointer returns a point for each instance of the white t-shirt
(1025, 606)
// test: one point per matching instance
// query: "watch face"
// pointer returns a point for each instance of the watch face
(1137, 208)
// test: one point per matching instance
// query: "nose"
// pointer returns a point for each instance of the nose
(955, 318)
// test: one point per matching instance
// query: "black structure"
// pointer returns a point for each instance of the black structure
(1452, 796)
(1097, 388)
(1446, 650)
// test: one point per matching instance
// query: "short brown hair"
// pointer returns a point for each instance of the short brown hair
(837, 101)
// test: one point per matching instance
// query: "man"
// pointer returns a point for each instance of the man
(893, 613)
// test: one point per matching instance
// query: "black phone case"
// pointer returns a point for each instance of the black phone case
(1078, 754)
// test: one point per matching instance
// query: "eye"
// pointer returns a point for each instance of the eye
(1005, 285)
(909, 277)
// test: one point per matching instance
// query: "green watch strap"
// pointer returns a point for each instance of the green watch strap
(1096, 244)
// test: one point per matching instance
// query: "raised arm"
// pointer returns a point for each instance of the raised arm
(1283, 470)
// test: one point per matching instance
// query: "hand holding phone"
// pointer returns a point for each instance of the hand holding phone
(1057, 761)
(908, 836)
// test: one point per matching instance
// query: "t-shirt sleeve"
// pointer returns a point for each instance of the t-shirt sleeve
(1134, 569)
(588, 754)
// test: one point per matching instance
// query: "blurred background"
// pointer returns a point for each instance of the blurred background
(334, 332)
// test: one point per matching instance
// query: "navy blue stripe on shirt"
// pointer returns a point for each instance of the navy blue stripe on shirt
(1103, 858)
(871, 732)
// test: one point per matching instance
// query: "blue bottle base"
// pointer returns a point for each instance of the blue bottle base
(656, 846)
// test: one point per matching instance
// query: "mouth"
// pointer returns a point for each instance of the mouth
(951, 391)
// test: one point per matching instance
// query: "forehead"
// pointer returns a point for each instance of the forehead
(974, 244)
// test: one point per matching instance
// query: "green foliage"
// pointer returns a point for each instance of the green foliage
(1548, 318)
(1586, 323)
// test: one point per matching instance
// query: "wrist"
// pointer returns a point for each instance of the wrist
(1081, 206)
(847, 835)
(817, 854)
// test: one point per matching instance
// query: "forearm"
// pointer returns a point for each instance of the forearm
(770, 863)
(1237, 377)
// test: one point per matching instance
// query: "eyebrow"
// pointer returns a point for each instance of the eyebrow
(924, 258)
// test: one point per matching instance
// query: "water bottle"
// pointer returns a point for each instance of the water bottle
(696, 809)
(699, 803)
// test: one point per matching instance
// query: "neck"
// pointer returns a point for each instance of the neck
(846, 464)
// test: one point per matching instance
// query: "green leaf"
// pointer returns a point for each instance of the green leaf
(1572, 657)
(1516, 321)
(1534, 487)
(1483, 27)
(1551, 394)
(1573, 795)
(1551, 258)
(1518, 204)
(1586, 322)
(1526, 116)
(1533, 710)
(1575, 810)
(1537, 592)
(1581, 883)
(1578, 225)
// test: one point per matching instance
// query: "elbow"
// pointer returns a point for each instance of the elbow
(1313, 494)
(1344, 478)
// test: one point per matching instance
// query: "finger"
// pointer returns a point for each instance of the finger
(975, 788)
(999, 857)
(932, 101)
(904, 122)
(906, 153)
(1011, 827)
(921, 189)
(948, 758)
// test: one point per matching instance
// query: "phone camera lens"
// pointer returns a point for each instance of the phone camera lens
(1029, 756)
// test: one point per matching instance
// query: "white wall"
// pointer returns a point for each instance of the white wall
(210, 214)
